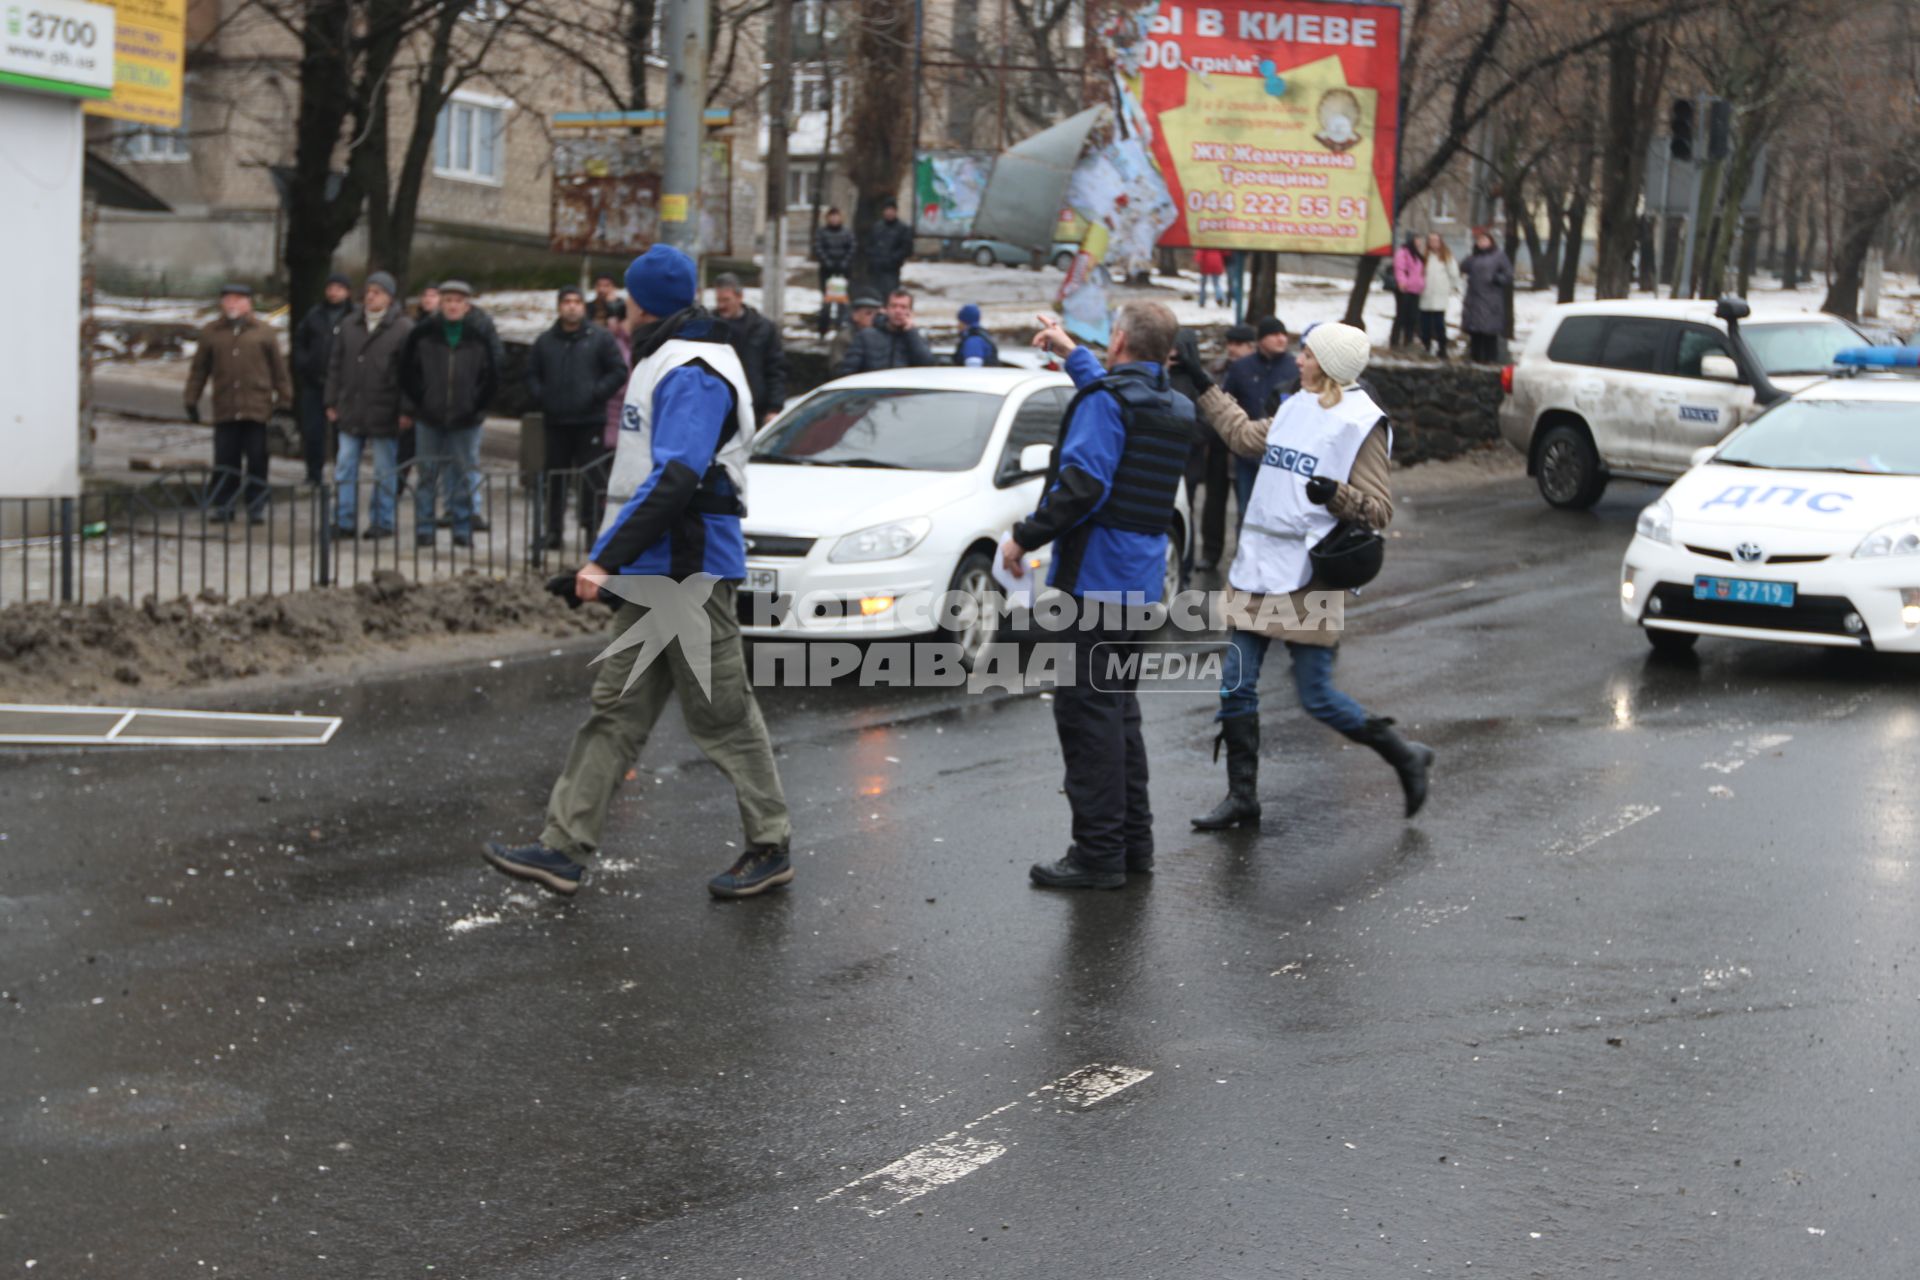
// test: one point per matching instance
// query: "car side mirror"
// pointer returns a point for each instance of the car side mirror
(1732, 307)
(1703, 454)
(1035, 459)
(1719, 368)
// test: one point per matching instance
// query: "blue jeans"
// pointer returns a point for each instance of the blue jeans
(450, 460)
(1219, 289)
(385, 451)
(1312, 681)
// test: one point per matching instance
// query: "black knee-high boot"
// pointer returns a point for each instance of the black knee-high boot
(1410, 760)
(1241, 735)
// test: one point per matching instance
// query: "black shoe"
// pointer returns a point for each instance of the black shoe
(462, 539)
(480, 524)
(1068, 874)
(1410, 760)
(374, 535)
(555, 872)
(256, 517)
(1241, 737)
(549, 542)
(760, 868)
(424, 538)
(1140, 864)
(344, 533)
(220, 517)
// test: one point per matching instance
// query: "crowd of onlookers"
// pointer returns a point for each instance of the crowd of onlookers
(1427, 278)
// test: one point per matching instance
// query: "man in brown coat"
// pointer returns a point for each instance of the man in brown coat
(240, 355)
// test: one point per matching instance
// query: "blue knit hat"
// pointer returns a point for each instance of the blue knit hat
(969, 314)
(661, 281)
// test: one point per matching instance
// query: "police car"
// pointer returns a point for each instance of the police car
(1629, 390)
(1803, 526)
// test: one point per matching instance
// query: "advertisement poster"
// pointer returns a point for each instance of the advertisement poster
(1272, 124)
(149, 63)
(947, 188)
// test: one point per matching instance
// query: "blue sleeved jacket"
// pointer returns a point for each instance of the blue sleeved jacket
(1116, 563)
(655, 532)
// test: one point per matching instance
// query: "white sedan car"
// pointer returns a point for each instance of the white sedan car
(1803, 527)
(878, 494)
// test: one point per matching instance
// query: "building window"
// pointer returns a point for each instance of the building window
(1443, 205)
(814, 18)
(803, 181)
(469, 140)
(811, 88)
(149, 144)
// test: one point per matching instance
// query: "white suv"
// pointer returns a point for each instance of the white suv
(1630, 389)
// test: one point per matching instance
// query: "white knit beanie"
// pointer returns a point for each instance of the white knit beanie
(1342, 350)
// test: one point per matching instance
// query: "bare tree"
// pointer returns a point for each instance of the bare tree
(880, 65)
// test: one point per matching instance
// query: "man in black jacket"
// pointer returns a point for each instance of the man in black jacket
(756, 340)
(448, 377)
(889, 245)
(890, 342)
(312, 347)
(833, 247)
(573, 370)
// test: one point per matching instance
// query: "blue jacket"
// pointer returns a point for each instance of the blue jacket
(1117, 563)
(1254, 379)
(656, 531)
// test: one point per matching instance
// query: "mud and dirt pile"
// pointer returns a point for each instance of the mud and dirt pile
(58, 651)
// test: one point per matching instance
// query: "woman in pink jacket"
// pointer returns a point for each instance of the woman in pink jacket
(1409, 278)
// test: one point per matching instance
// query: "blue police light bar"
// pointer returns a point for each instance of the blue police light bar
(1879, 357)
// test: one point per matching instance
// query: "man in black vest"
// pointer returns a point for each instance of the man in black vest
(1108, 502)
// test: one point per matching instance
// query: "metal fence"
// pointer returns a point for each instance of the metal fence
(169, 540)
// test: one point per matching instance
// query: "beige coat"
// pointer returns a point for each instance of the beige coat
(1364, 498)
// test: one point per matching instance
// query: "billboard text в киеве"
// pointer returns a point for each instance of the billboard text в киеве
(1273, 125)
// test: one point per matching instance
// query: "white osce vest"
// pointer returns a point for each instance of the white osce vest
(633, 456)
(1303, 441)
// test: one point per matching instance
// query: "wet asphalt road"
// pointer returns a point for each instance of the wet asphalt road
(1636, 995)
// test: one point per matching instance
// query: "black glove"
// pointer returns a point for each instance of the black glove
(1186, 359)
(1320, 490)
(193, 413)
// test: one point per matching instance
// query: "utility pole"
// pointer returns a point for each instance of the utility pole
(686, 49)
(773, 279)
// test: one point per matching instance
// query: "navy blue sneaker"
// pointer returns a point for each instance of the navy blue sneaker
(552, 871)
(760, 868)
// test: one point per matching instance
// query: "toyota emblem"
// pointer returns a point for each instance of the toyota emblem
(1749, 553)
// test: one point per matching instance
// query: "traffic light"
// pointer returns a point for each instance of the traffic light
(1719, 129)
(1680, 129)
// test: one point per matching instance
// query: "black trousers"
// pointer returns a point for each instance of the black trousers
(1097, 715)
(1433, 332)
(1483, 348)
(233, 444)
(1209, 466)
(313, 432)
(1406, 319)
(571, 447)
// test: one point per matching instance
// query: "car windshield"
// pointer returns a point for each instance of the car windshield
(1870, 437)
(898, 428)
(1788, 347)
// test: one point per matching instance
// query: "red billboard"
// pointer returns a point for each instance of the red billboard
(1273, 124)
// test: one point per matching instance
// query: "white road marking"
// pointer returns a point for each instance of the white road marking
(1747, 749)
(952, 1157)
(1627, 817)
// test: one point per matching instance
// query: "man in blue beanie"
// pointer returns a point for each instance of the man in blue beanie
(976, 350)
(674, 502)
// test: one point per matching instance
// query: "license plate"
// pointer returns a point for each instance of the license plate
(767, 580)
(1744, 591)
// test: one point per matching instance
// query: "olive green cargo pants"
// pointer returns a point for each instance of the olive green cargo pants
(727, 727)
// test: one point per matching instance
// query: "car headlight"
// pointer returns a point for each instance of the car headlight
(1901, 538)
(1656, 523)
(882, 541)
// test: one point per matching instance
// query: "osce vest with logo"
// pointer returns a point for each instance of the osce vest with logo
(633, 457)
(1303, 441)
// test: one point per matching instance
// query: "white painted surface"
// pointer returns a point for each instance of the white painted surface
(966, 1150)
(40, 173)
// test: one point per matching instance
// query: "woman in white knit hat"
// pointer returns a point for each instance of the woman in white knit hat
(1324, 462)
